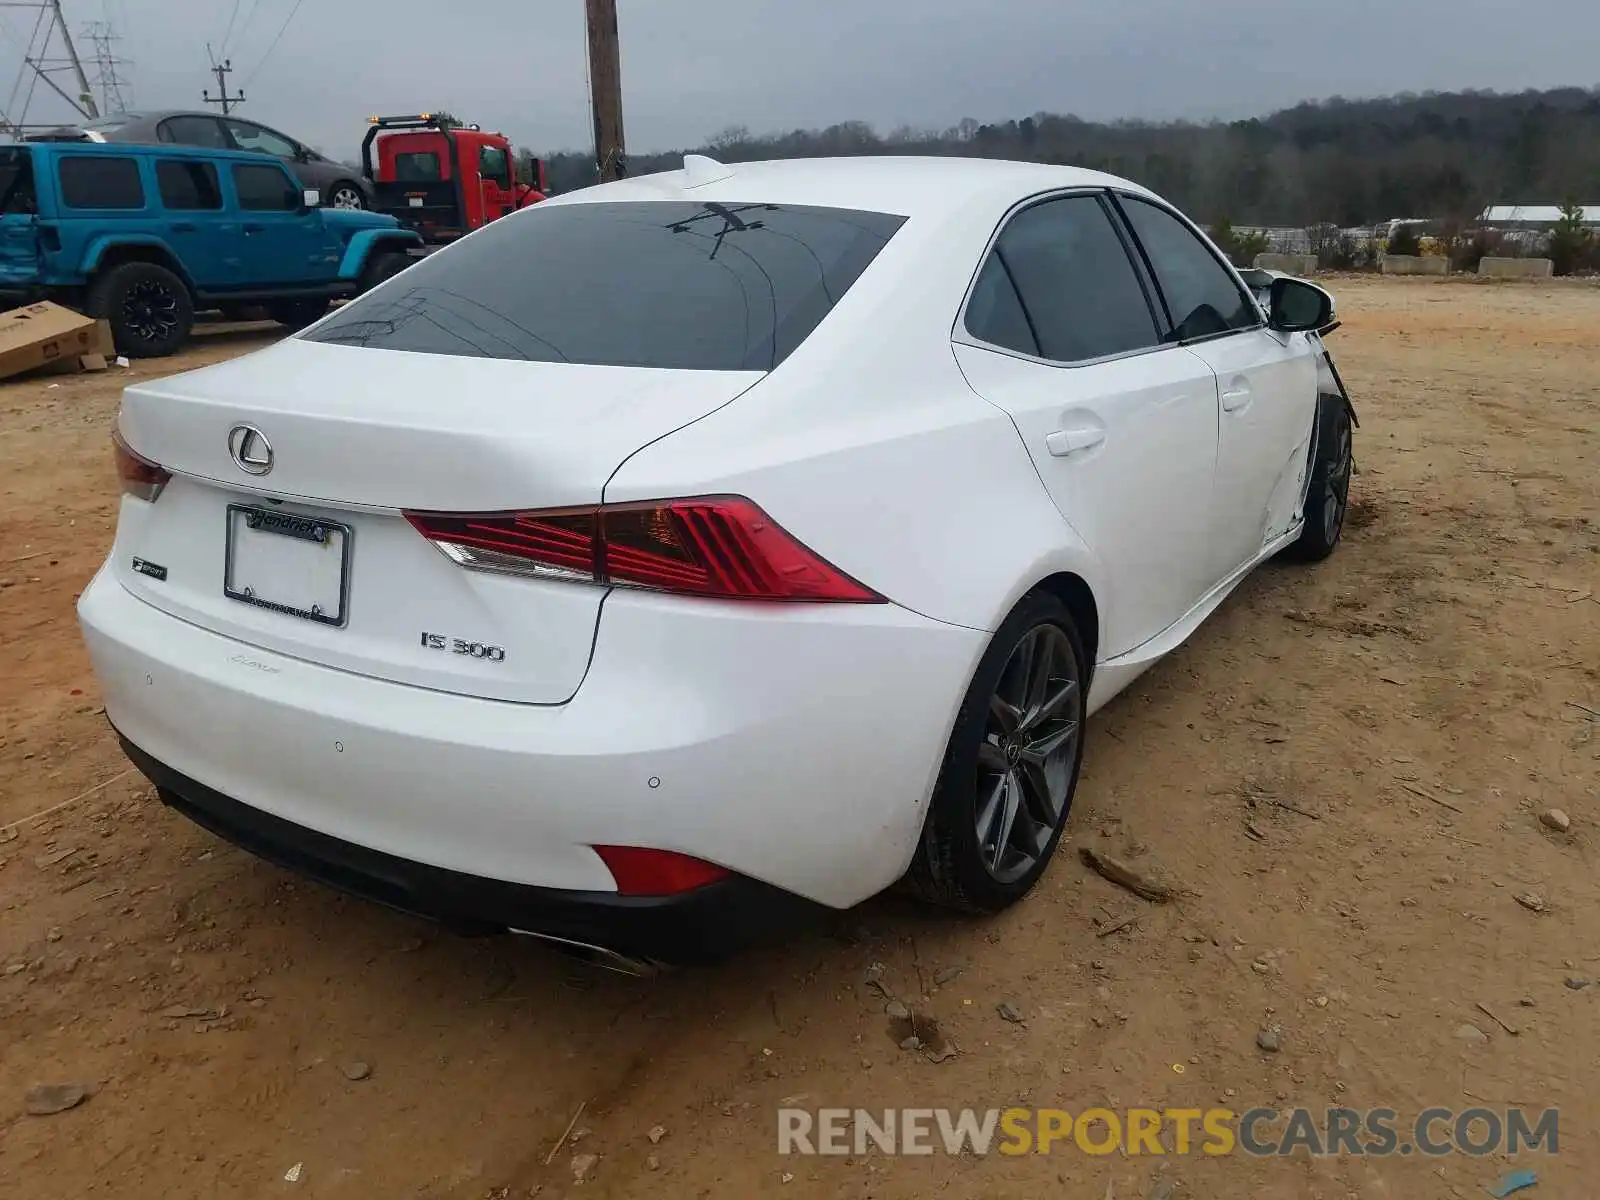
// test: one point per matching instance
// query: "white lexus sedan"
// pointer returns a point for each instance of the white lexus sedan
(686, 554)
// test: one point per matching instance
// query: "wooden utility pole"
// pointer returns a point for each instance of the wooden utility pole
(222, 70)
(605, 85)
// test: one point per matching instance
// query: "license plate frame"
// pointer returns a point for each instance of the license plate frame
(297, 526)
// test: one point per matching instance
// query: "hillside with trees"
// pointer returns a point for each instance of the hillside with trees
(1348, 162)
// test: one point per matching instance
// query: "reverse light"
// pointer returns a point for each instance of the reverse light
(642, 872)
(140, 477)
(718, 546)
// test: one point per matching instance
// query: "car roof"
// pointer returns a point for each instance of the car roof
(163, 149)
(910, 186)
(146, 115)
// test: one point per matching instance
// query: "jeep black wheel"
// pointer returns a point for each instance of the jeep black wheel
(384, 264)
(150, 309)
(297, 313)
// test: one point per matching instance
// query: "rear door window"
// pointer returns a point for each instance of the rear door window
(193, 131)
(187, 186)
(1201, 295)
(1077, 285)
(264, 189)
(100, 181)
(691, 286)
(994, 314)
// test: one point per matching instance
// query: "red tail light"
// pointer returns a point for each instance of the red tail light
(140, 477)
(722, 546)
(641, 872)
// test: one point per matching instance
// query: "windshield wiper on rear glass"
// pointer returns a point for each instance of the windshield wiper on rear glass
(731, 221)
(359, 333)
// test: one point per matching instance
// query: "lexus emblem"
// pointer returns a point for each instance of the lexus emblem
(251, 451)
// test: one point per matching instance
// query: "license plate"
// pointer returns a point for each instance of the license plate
(288, 562)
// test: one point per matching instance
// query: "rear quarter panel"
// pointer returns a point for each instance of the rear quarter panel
(868, 445)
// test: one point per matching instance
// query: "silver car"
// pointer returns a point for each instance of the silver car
(341, 186)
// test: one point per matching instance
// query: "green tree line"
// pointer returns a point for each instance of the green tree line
(1439, 155)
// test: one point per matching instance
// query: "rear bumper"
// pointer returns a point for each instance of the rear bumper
(695, 927)
(797, 748)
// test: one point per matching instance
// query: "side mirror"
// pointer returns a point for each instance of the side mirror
(310, 198)
(1295, 306)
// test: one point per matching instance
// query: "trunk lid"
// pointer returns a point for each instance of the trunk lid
(356, 435)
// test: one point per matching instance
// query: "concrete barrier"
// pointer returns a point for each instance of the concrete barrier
(1412, 264)
(1516, 268)
(1289, 264)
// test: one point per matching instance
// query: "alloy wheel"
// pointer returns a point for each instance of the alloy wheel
(1028, 753)
(1337, 487)
(347, 197)
(150, 310)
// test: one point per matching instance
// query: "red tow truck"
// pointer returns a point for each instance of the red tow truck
(443, 178)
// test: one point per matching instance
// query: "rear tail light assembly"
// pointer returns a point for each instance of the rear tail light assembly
(719, 546)
(140, 477)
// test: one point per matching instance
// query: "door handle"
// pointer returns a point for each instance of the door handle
(1064, 442)
(1236, 396)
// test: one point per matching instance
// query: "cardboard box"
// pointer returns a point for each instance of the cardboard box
(46, 335)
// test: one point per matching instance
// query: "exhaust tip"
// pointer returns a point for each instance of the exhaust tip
(598, 956)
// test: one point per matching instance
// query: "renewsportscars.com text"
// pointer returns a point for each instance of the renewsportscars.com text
(1260, 1132)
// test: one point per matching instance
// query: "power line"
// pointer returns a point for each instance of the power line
(223, 44)
(249, 15)
(281, 31)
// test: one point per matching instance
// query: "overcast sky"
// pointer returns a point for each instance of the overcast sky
(692, 67)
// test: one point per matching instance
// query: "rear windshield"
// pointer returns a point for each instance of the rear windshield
(709, 287)
(416, 166)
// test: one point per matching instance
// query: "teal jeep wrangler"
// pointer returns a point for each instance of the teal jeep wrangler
(146, 236)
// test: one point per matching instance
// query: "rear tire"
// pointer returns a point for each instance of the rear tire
(384, 265)
(150, 309)
(297, 313)
(1011, 767)
(1328, 497)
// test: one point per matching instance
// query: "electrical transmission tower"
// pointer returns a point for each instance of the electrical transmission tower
(114, 89)
(40, 64)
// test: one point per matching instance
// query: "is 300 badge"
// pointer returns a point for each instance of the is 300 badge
(439, 641)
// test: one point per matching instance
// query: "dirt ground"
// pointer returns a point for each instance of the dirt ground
(1345, 769)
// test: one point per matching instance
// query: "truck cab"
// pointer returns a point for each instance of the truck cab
(441, 178)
